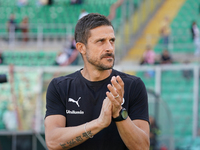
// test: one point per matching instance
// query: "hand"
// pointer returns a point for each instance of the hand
(116, 95)
(105, 117)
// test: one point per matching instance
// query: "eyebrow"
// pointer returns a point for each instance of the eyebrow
(99, 39)
(104, 39)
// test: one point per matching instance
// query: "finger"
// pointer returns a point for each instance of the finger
(113, 100)
(114, 95)
(115, 84)
(106, 107)
(112, 89)
(120, 81)
(107, 104)
(106, 113)
(116, 105)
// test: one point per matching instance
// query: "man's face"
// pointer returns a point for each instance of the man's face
(100, 47)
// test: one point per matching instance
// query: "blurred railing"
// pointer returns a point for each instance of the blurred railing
(178, 41)
(39, 36)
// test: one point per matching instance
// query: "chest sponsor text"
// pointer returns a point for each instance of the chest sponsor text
(74, 112)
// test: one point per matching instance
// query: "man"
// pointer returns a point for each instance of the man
(83, 13)
(195, 38)
(11, 24)
(3, 78)
(165, 31)
(1, 58)
(88, 109)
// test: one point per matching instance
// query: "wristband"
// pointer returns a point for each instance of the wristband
(87, 132)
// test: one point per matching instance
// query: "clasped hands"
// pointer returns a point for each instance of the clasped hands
(112, 103)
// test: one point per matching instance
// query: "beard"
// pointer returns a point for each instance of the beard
(98, 64)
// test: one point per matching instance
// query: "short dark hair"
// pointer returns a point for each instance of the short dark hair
(88, 22)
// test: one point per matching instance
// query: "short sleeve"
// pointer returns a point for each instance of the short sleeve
(54, 103)
(138, 108)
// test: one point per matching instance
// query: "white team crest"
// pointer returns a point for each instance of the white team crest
(73, 101)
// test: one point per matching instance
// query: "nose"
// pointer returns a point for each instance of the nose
(109, 46)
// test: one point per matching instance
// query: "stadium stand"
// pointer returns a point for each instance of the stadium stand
(52, 21)
(181, 37)
(176, 91)
(61, 12)
(182, 14)
(24, 58)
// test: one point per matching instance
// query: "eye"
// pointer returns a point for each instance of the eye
(101, 40)
(112, 40)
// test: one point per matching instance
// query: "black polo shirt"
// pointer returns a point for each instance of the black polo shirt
(80, 101)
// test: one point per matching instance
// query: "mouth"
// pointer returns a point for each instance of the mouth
(108, 56)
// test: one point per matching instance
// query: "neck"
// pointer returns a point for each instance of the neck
(94, 74)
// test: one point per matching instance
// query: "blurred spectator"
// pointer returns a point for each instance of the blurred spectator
(10, 118)
(165, 31)
(187, 73)
(21, 3)
(68, 49)
(148, 56)
(163, 147)
(50, 2)
(113, 9)
(76, 1)
(12, 24)
(83, 13)
(41, 2)
(154, 132)
(3, 78)
(1, 58)
(148, 59)
(24, 25)
(72, 45)
(69, 54)
(165, 57)
(61, 58)
(195, 37)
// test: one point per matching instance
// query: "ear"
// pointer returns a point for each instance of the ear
(81, 47)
